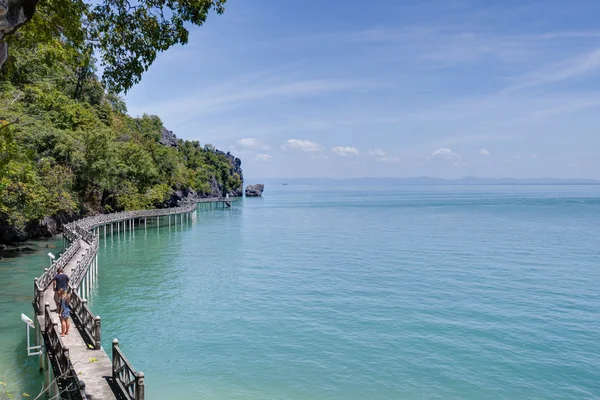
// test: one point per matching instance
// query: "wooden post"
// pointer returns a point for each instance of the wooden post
(139, 386)
(115, 357)
(66, 354)
(38, 342)
(97, 342)
(37, 297)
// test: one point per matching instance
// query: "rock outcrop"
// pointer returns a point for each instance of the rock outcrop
(180, 196)
(13, 14)
(45, 227)
(167, 138)
(236, 168)
(254, 190)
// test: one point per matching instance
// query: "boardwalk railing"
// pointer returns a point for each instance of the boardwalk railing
(129, 381)
(89, 322)
(66, 377)
(83, 264)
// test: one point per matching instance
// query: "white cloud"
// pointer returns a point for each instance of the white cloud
(484, 152)
(534, 156)
(345, 150)
(302, 145)
(377, 152)
(248, 142)
(446, 155)
(320, 157)
(390, 159)
(251, 143)
(262, 157)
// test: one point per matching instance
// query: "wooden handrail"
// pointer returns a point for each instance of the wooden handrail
(89, 321)
(130, 382)
(65, 372)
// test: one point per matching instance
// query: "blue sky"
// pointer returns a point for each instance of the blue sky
(389, 88)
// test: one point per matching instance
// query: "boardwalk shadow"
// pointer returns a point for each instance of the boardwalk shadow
(115, 388)
(81, 329)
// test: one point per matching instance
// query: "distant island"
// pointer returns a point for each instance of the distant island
(426, 180)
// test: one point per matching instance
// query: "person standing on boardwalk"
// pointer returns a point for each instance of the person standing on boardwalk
(61, 280)
(64, 312)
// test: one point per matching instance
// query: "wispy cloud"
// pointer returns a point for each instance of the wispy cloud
(251, 143)
(448, 45)
(445, 155)
(484, 152)
(574, 67)
(389, 159)
(345, 150)
(263, 157)
(244, 93)
(302, 145)
(377, 152)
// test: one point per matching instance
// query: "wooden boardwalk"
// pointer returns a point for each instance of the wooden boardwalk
(81, 368)
(91, 366)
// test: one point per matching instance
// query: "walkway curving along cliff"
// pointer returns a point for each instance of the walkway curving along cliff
(76, 366)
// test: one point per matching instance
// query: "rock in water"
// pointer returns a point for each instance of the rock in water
(254, 190)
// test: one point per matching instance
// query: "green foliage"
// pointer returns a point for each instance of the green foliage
(67, 146)
(126, 35)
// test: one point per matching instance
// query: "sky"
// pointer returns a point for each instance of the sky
(388, 88)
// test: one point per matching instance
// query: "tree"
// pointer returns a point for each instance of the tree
(126, 35)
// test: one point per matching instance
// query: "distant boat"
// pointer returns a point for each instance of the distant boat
(284, 184)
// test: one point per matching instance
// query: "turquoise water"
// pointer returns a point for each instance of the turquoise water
(16, 294)
(406, 292)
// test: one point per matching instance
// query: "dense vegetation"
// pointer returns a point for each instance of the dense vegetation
(67, 146)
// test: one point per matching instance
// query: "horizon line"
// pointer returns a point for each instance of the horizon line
(427, 177)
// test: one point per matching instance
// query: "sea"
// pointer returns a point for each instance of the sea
(348, 292)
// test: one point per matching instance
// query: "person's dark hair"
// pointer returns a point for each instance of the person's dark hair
(60, 270)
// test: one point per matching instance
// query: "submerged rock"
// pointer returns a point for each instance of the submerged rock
(254, 190)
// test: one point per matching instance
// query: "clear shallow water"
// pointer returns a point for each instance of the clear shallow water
(16, 294)
(407, 292)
